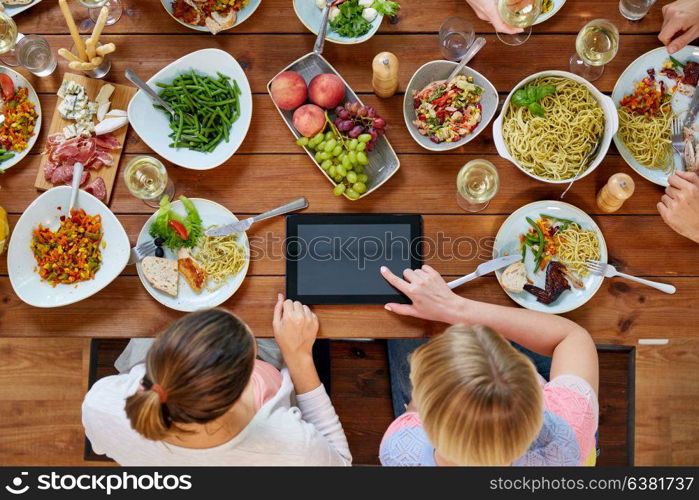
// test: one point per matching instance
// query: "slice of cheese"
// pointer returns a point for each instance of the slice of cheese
(105, 93)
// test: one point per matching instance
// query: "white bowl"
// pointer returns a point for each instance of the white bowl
(439, 70)
(153, 127)
(27, 283)
(20, 81)
(312, 17)
(243, 15)
(611, 124)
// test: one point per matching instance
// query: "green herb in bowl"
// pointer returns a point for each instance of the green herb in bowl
(530, 97)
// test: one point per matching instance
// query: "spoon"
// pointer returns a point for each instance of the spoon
(134, 78)
(74, 189)
(475, 47)
(320, 39)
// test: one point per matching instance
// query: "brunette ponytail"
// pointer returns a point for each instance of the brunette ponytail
(195, 371)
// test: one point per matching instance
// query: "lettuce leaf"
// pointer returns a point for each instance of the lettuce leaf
(386, 7)
(192, 221)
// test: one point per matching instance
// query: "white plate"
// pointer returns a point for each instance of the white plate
(634, 73)
(20, 81)
(243, 14)
(557, 4)
(152, 125)
(21, 263)
(438, 70)
(507, 243)
(13, 10)
(311, 17)
(187, 299)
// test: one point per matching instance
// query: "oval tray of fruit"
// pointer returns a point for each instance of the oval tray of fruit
(345, 138)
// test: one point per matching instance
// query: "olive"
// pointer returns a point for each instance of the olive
(159, 242)
(159, 252)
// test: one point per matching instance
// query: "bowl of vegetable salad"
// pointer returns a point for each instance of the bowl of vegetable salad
(20, 117)
(349, 21)
(211, 97)
(442, 115)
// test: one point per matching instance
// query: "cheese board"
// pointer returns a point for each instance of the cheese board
(103, 163)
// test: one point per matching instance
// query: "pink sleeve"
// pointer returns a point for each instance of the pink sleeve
(266, 381)
(572, 399)
(405, 421)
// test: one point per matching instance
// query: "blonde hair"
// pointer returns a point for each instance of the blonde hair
(202, 364)
(478, 398)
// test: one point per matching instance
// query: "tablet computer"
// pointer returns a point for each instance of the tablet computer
(336, 258)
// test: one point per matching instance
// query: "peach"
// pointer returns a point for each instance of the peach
(327, 90)
(309, 119)
(289, 90)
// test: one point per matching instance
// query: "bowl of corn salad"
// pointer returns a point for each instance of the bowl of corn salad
(56, 258)
(20, 121)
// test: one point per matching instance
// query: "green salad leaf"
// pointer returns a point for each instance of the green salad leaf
(386, 7)
(350, 23)
(530, 97)
(192, 222)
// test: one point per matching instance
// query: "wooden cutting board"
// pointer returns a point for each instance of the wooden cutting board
(120, 100)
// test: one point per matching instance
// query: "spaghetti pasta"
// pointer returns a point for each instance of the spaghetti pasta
(648, 138)
(221, 258)
(556, 145)
(576, 246)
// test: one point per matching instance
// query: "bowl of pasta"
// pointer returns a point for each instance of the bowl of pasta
(555, 126)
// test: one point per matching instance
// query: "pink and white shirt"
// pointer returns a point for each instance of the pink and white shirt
(566, 438)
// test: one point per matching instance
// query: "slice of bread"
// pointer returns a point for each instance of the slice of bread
(514, 277)
(162, 274)
(192, 271)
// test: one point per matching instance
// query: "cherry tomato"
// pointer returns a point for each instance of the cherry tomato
(177, 226)
(8, 88)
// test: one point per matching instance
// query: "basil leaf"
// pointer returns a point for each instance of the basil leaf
(536, 109)
(519, 98)
(544, 90)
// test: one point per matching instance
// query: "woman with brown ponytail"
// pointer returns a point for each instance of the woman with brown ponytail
(202, 398)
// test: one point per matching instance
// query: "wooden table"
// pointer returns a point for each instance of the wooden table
(270, 169)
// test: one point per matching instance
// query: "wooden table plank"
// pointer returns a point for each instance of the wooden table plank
(620, 313)
(277, 16)
(424, 184)
(455, 245)
(264, 56)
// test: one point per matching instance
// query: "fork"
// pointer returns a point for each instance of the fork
(609, 271)
(677, 136)
(139, 252)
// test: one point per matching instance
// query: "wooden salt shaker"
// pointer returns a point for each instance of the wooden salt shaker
(385, 78)
(612, 196)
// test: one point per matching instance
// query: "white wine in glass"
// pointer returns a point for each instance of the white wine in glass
(8, 38)
(596, 45)
(147, 179)
(476, 184)
(520, 14)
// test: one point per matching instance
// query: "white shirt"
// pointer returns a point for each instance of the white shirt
(278, 434)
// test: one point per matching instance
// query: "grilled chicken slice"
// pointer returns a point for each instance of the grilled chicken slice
(192, 271)
(556, 284)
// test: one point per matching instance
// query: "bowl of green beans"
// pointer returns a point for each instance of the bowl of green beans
(212, 104)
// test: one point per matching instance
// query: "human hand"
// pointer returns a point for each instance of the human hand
(295, 329)
(679, 206)
(431, 296)
(680, 24)
(487, 10)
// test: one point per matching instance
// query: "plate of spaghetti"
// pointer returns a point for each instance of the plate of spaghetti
(651, 91)
(210, 15)
(555, 240)
(555, 126)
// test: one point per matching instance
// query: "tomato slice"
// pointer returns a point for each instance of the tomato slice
(179, 228)
(8, 88)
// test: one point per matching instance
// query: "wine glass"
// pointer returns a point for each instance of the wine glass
(95, 6)
(147, 179)
(520, 14)
(596, 45)
(476, 184)
(8, 38)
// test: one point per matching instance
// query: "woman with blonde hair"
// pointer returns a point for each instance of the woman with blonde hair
(202, 398)
(476, 400)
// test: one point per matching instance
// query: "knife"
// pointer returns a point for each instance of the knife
(485, 268)
(244, 225)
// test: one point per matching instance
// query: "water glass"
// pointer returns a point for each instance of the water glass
(455, 37)
(635, 10)
(34, 53)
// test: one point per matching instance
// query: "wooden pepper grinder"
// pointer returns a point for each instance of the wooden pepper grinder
(385, 78)
(612, 196)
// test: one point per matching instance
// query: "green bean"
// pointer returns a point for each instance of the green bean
(540, 251)
(558, 219)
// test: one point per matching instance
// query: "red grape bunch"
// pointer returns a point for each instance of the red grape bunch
(354, 120)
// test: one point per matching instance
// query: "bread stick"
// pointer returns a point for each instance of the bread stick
(99, 25)
(73, 29)
(97, 60)
(90, 48)
(68, 55)
(108, 48)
